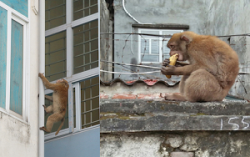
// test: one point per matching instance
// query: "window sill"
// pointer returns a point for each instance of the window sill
(65, 133)
(162, 26)
(141, 115)
(5, 113)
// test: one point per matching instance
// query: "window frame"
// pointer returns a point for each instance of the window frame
(24, 21)
(140, 30)
(74, 79)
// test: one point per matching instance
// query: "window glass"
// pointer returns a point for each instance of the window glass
(86, 47)
(55, 56)
(83, 8)
(155, 46)
(90, 102)
(165, 49)
(16, 73)
(55, 13)
(150, 58)
(3, 55)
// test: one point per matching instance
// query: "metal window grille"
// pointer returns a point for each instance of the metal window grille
(55, 56)
(154, 49)
(90, 102)
(55, 13)
(86, 46)
(84, 8)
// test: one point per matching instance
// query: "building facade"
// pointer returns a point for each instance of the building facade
(19, 51)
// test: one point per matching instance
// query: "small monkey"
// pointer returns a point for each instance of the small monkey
(60, 101)
(213, 67)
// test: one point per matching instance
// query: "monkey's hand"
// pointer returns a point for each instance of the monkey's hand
(168, 70)
(165, 62)
(178, 64)
(40, 75)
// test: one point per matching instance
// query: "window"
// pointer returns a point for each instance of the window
(72, 52)
(86, 113)
(13, 62)
(55, 56)
(86, 46)
(153, 49)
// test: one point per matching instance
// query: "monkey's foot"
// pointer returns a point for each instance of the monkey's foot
(174, 97)
(44, 107)
(44, 129)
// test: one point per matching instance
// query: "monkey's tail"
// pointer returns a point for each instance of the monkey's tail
(60, 126)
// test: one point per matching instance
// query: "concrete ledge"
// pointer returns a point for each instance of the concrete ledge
(162, 26)
(141, 115)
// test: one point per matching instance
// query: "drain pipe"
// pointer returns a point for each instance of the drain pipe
(41, 70)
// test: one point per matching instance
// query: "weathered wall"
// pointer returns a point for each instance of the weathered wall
(18, 138)
(140, 128)
(106, 41)
(232, 18)
(226, 18)
(166, 144)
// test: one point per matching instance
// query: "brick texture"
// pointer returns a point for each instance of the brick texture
(124, 96)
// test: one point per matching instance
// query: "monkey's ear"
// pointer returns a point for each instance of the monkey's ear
(186, 38)
(66, 84)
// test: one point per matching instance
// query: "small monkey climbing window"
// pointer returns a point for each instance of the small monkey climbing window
(56, 125)
(72, 53)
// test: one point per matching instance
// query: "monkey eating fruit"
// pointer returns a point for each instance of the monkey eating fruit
(172, 60)
(60, 101)
(212, 71)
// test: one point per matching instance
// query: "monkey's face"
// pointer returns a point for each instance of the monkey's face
(178, 46)
(64, 82)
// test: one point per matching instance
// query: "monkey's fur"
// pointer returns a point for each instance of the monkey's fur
(213, 67)
(60, 101)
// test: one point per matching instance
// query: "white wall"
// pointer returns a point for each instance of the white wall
(17, 138)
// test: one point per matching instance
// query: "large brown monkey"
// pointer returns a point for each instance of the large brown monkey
(60, 101)
(212, 71)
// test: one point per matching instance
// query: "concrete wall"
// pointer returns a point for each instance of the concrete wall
(226, 18)
(106, 44)
(140, 128)
(18, 138)
(176, 144)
